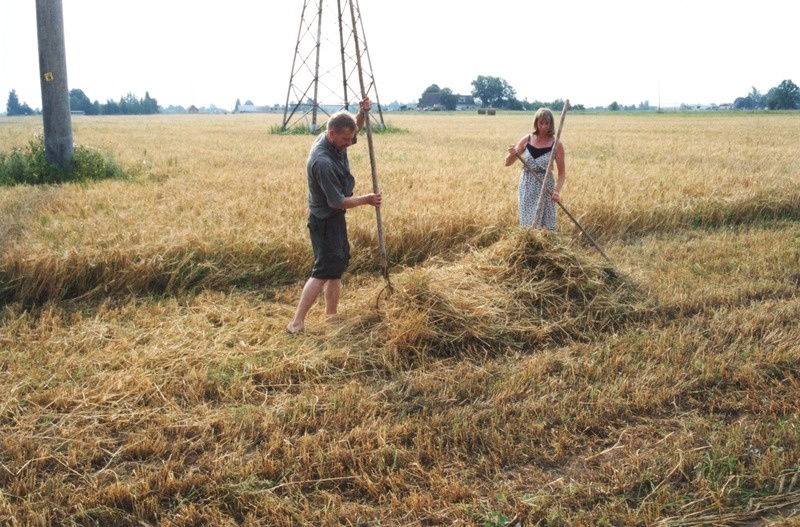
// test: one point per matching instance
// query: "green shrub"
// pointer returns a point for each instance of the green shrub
(30, 166)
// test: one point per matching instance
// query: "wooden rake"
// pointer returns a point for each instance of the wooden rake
(381, 243)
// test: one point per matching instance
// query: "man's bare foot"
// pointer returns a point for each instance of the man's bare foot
(333, 319)
(291, 330)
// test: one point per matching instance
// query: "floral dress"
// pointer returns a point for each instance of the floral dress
(530, 188)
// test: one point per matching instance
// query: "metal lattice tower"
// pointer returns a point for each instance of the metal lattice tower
(325, 76)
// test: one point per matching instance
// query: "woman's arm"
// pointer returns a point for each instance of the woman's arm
(514, 150)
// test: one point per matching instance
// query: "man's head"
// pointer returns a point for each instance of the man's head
(342, 129)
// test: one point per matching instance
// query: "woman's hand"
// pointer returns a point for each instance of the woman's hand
(512, 155)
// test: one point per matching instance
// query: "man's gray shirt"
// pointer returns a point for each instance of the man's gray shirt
(329, 178)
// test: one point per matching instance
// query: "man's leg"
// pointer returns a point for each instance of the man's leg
(307, 298)
(333, 289)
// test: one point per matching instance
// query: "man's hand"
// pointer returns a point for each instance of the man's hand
(361, 116)
(375, 199)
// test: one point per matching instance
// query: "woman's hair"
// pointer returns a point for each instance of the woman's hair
(342, 120)
(543, 114)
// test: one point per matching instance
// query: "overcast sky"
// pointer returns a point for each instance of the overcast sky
(591, 52)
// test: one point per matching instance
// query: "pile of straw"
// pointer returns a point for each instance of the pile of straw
(525, 292)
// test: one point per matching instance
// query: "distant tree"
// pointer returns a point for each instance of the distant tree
(149, 106)
(130, 105)
(127, 105)
(492, 91)
(111, 108)
(557, 105)
(535, 105)
(613, 107)
(786, 96)
(752, 101)
(13, 106)
(759, 101)
(514, 104)
(79, 102)
(489, 90)
(433, 88)
(175, 109)
(236, 107)
(449, 99)
(744, 103)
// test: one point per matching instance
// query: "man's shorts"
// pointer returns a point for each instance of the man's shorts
(330, 245)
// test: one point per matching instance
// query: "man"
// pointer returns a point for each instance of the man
(330, 194)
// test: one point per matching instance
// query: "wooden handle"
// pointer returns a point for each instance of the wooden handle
(368, 127)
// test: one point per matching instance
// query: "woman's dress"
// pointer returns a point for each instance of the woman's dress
(530, 188)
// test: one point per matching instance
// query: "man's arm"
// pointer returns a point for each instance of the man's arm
(357, 201)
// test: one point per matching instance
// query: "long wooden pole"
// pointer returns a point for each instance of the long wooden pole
(577, 224)
(381, 243)
(537, 220)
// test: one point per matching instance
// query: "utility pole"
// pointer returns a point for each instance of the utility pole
(53, 79)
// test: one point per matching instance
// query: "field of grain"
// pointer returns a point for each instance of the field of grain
(146, 378)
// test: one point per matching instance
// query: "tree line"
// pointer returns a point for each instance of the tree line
(79, 102)
(490, 92)
(785, 96)
(495, 92)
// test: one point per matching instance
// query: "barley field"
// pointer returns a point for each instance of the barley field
(502, 376)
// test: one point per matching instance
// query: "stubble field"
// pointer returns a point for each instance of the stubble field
(145, 378)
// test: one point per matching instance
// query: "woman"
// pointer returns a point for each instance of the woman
(535, 149)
